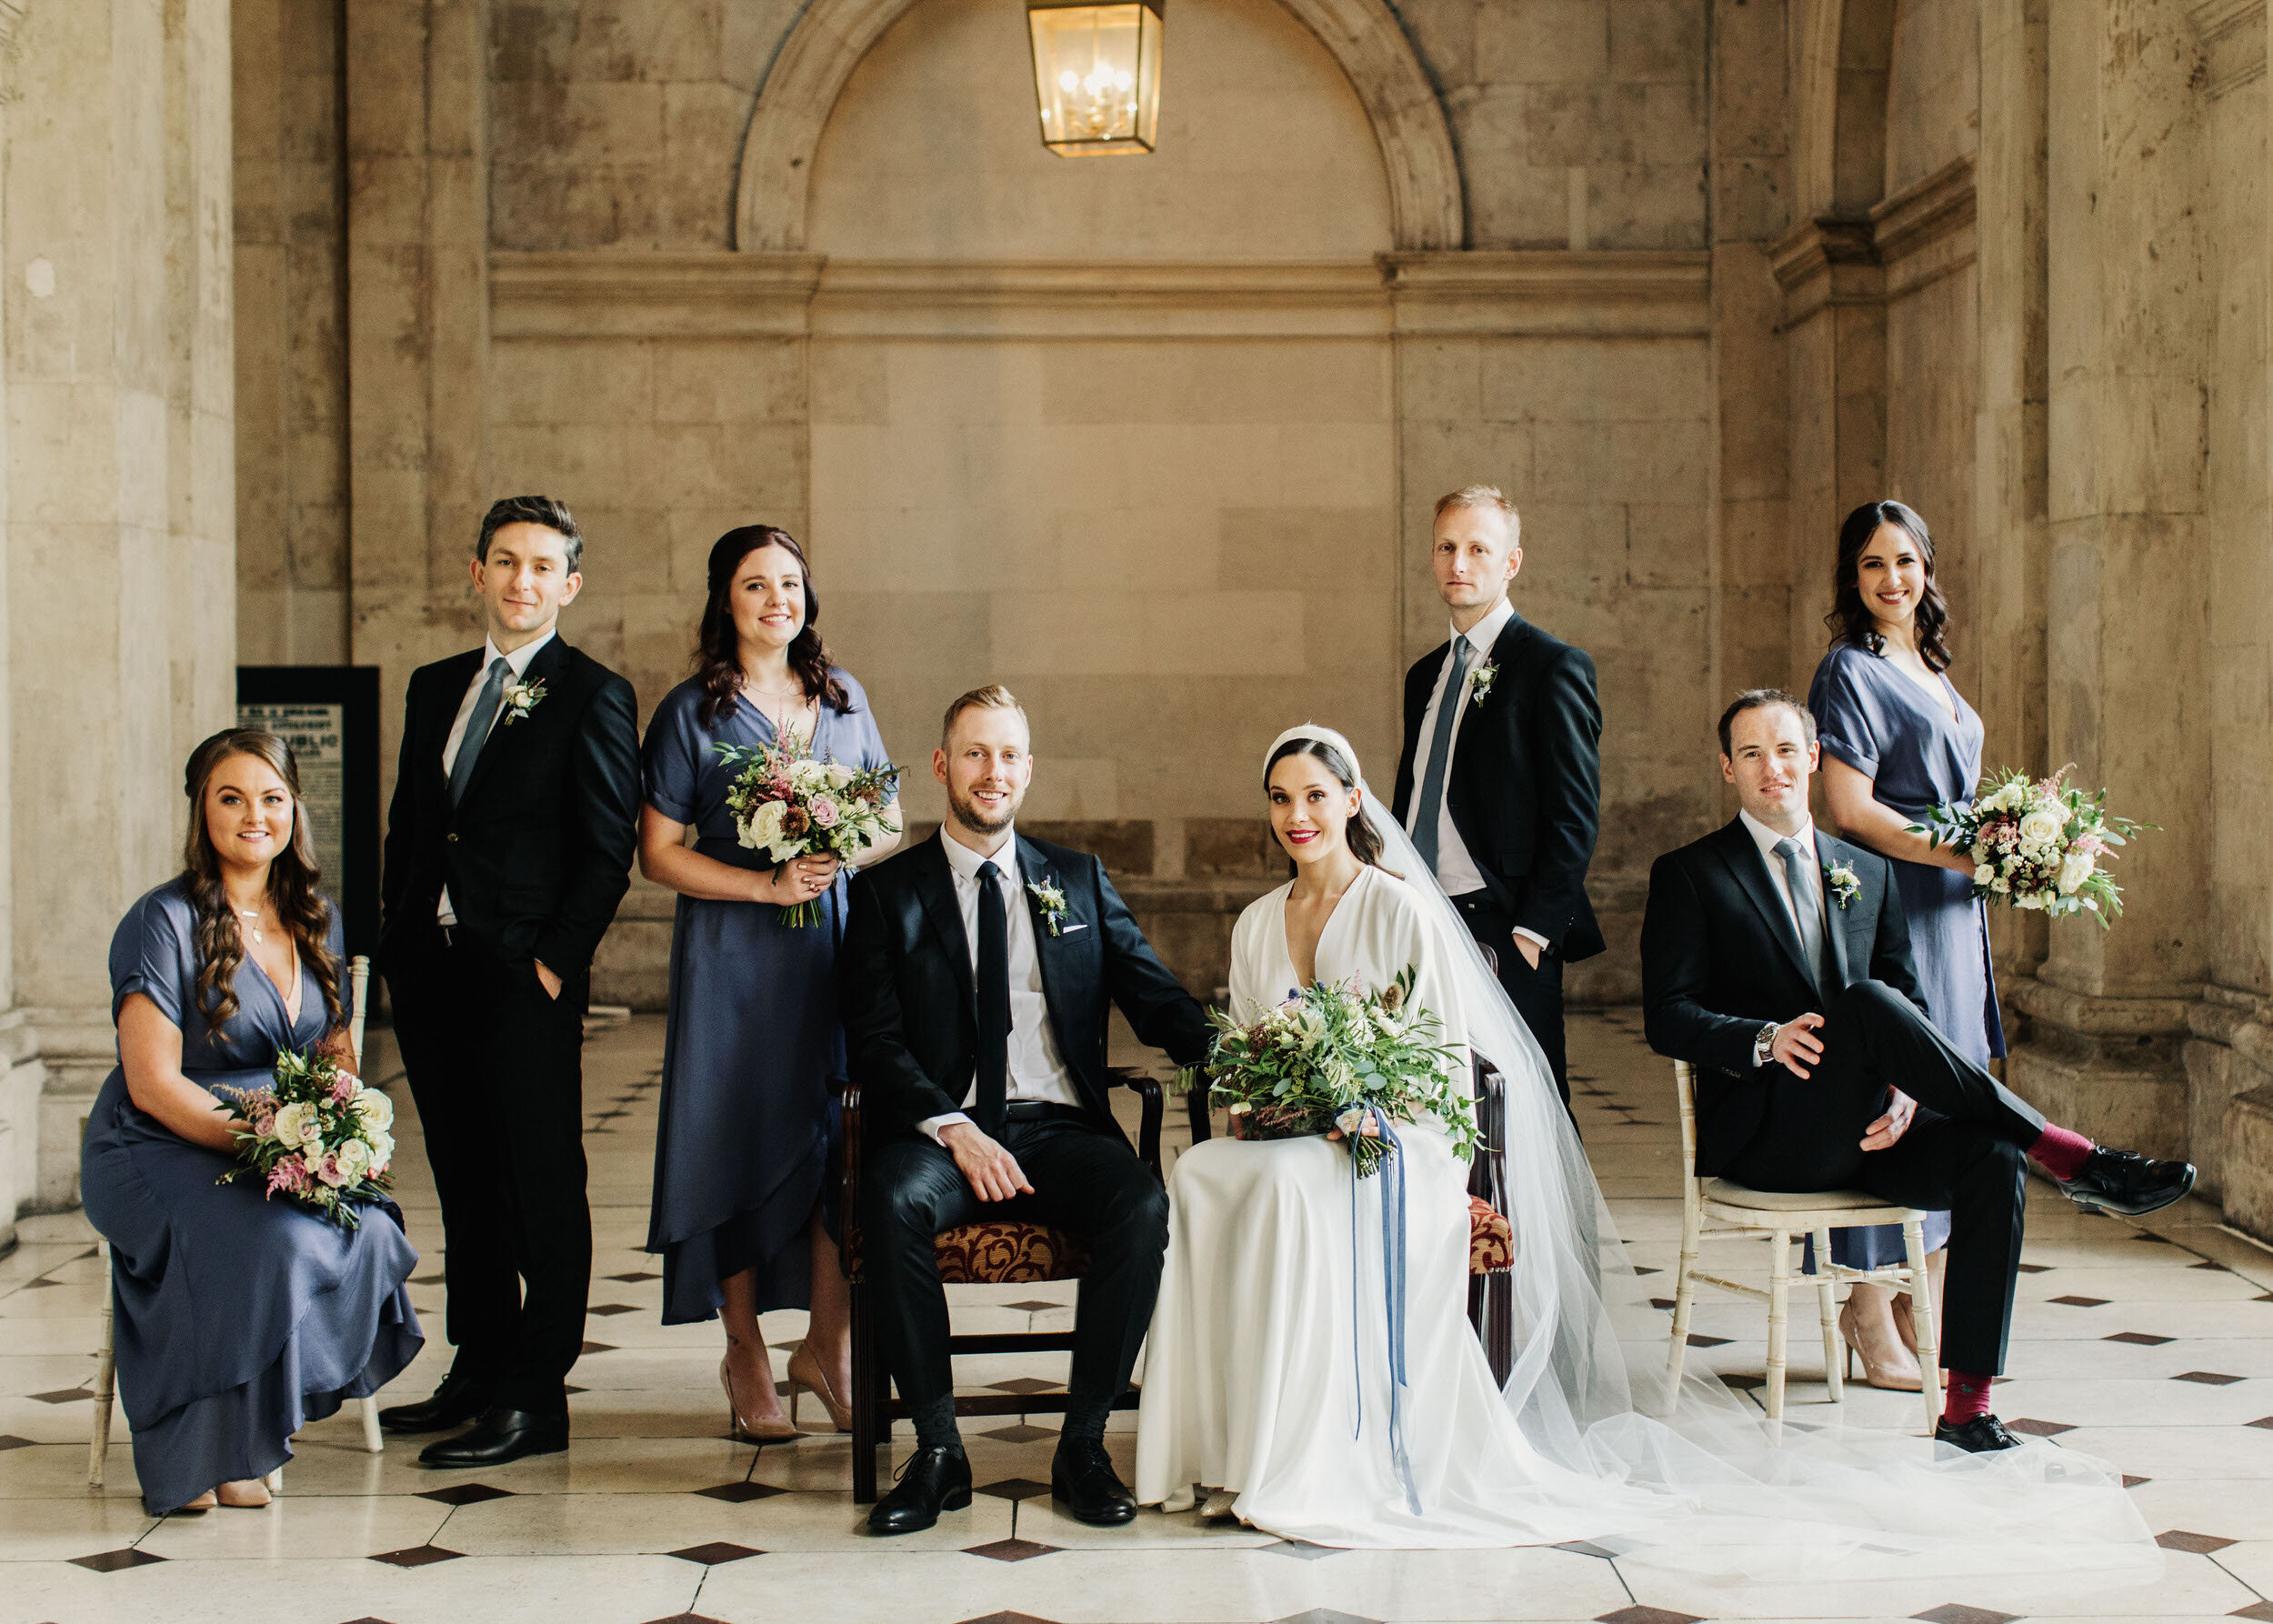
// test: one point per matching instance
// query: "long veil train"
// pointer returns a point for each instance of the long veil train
(1707, 1486)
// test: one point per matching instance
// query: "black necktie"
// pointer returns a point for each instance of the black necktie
(994, 999)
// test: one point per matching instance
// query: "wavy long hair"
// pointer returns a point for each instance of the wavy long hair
(1364, 844)
(293, 879)
(1851, 619)
(718, 647)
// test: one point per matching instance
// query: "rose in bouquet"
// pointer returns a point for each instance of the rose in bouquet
(788, 805)
(316, 1136)
(2036, 843)
(1330, 1057)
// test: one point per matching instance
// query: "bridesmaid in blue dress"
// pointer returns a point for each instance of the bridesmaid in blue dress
(743, 1204)
(237, 1319)
(1898, 739)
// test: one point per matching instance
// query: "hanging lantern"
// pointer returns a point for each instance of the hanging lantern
(1096, 75)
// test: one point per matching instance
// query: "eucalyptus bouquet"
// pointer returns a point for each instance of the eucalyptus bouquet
(316, 1136)
(1330, 1059)
(2036, 843)
(787, 803)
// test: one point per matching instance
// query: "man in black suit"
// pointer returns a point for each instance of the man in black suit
(508, 845)
(976, 977)
(1501, 780)
(1776, 959)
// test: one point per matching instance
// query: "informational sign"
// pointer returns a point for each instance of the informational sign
(329, 714)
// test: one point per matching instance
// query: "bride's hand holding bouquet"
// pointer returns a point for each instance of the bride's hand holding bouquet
(2036, 843)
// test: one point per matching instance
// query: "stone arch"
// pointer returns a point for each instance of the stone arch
(1847, 56)
(833, 35)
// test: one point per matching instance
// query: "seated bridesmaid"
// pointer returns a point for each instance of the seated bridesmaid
(238, 1319)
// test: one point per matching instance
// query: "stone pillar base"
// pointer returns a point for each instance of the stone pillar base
(77, 1048)
(2111, 1068)
(2248, 1145)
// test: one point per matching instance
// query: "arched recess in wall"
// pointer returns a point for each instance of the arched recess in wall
(833, 35)
(1847, 52)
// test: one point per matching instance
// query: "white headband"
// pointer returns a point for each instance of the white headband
(1325, 736)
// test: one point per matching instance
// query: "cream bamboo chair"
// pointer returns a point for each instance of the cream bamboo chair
(107, 1364)
(1720, 1210)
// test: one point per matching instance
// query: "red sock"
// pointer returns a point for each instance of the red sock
(2062, 1151)
(1968, 1401)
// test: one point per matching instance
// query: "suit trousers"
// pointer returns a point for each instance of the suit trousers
(1085, 1181)
(496, 1068)
(1969, 1157)
(1537, 992)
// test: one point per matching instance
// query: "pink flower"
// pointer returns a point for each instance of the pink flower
(824, 812)
(2089, 843)
(264, 1120)
(344, 1088)
(290, 1176)
(331, 1174)
(778, 787)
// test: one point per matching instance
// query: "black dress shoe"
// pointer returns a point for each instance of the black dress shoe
(2126, 1182)
(933, 1480)
(1979, 1436)
(1082, 1476)
(501, 1434)
(457, 1401)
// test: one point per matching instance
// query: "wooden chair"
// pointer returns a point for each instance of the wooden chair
(107, 1361)
(1720, 1210)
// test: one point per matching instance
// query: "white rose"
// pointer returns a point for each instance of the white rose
(2031, 901)
(2000, 885)
(292, 1124)
(312, 1158)
(839, 775)
(807, 775)
(764, 828)
(2075, 869)
(382, 1151)
(372, 1109)
(1982, 851)
(2043, 827)
(1985, 874)
(355, 1159)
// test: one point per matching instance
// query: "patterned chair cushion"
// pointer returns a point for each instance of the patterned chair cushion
(1491, 1241)
(1005, 1253)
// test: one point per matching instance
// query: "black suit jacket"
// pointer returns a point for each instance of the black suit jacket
(1526, 785)
(538, 854)
(1721, 958)
(911, 1012)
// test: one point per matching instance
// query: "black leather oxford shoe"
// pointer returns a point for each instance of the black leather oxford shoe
(933, 1480)
(457, 1401)
(1083, 1480)
(1979, 1435)
(2126, 1182)
(501, 1434)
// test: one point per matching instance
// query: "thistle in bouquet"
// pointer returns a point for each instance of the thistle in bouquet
(788, 804)
(2036, 844)
(1329, 1058)
(317, 1136)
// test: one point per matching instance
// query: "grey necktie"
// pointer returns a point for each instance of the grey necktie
(478, 726)
(1429, 809)
(1806, 907)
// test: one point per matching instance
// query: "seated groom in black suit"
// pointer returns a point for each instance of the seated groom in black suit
(975, 978)
(1777, 960)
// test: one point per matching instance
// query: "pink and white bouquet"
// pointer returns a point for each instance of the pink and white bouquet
(316, 1136)
(788, 805)
(2036, 843)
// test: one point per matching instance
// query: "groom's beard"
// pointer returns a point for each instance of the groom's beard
(968, 814)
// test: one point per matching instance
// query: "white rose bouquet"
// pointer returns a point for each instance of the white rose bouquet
(2036, 843)
(316, 1136)
(788, 805)
(1330, 1057)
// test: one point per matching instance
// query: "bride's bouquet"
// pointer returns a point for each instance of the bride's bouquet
(317, 1136)
(2036, 843)
(787, 805)
(1330, 1058)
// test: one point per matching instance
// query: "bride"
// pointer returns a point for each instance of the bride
(1268, 1375)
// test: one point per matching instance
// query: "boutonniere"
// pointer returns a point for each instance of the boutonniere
(1050, 901)
(521, 697)
(1480, 684)
(1840, 881)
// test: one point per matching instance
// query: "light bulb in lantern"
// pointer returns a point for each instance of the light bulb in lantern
(1096, 75)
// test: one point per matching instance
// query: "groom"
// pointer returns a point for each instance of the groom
(1777, 960)
(976, 974)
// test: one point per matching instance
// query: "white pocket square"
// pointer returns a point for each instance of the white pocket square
(1070, 929)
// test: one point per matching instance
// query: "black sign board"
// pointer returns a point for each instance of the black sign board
(330, 716)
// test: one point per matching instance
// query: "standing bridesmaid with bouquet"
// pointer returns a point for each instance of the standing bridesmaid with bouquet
(744, 1205)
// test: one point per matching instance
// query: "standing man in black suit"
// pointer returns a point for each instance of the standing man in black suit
(508, 845)
(1501, 780)
(1776, 959)
(978, 972)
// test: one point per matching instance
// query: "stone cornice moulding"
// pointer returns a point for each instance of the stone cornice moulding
(1923, 212)
(818, 58)
(616, 294)
(2099, 1015)
(11, 45)
(1015, 299)
(1609, 293)
(1820, 264)
(2232, 36)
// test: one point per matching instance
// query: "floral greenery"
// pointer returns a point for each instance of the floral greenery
(521, 697)
(1328, 1058)
(2036, 843)
(1840, 881)
(316, 1136)
(1480, 684)
(1052, 901)
(788, 805)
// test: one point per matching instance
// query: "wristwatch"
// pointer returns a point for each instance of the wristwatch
(1764, 1045)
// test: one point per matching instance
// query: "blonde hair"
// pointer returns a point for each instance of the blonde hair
(993, 697)
(1482, 496)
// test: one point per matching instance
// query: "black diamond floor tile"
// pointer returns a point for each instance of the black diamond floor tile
(2262, 1611)
(636, 1275)
(1696, 1340)
(2139, 1338)
(605, 1310)
(1023, 1433)
(596, 1348)
(740, 1494)
(1645, 1615)
(2201, 1545)
(1010, 1550)
(2131, 1482)
(1304, 1550)
(2081, 1302)
(1007, 1618)
(2209, 1378)
(713, 1554)
(1956, 1613)
(2034, 1268)
(1014, 1488)
(8, 1440)
(62, 1396)
(1024, 1384)
(2265, 1421)
(1585, 1547)
(111, 1561)
(418, 1555)
(2035, 1428)
(1033, 1305)
(684, 1619)
(465, 1494)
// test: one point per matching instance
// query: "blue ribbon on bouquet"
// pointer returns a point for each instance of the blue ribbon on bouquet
(1392, 1292)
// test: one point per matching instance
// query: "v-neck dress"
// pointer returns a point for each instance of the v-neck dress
(750, 1119)
(237, 1319)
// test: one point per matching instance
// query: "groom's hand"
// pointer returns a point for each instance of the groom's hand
(1797, 1045)
(992, 1172)
(1887, 1129)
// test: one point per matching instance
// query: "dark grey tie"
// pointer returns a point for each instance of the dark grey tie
(478, 726)
(1428, 812)
(1806, 907)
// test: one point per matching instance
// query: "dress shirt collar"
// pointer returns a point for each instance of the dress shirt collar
(1486, 632)
(965, 862)
(520, 658)
(1765, 838)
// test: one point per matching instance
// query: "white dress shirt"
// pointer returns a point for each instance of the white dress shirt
(1456, 869)
(1766, 838)
(519, 661)
(1037, 1071)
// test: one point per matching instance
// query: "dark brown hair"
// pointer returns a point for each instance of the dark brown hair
(548, 511)
(292, 881)
(1364, 844)
(718, 647)
(1851, 619)
(1760, 700)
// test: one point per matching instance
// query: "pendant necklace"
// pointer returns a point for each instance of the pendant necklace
(252, 916)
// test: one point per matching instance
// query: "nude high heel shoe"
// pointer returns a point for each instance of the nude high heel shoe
(250, 1495)
(1891, 1366)
(806, 1377)
(756, 1432)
